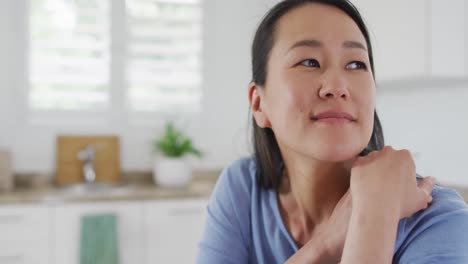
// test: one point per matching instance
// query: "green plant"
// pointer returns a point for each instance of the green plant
(175, 144)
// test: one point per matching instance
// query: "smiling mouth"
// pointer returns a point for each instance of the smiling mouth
(333, 120)
(333, 117)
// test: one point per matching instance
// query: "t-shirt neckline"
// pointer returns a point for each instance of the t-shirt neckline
(274, 203)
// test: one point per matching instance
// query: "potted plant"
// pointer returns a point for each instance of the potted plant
(171, 168)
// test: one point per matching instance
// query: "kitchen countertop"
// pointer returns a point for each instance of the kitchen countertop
(137, 189)
(133, 188)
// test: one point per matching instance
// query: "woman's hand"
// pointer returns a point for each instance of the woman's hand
(384, 190)
(327, 246)
(333, 234)
(386, 180)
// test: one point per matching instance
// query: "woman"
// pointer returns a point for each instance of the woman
(321, 187)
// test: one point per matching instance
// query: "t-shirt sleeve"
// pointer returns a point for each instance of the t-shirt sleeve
(225, 236)
(438, 234)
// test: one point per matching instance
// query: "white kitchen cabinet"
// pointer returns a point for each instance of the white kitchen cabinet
(448, 38)
(24, 234)
(398, 33)
(130, 232)
(418, 39)
(159, 231)
(173, 229)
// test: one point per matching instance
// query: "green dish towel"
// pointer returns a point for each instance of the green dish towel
(98, 243)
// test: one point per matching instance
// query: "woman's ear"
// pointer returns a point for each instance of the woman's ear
(256, 97)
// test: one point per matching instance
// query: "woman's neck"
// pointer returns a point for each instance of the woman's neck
(309, 192)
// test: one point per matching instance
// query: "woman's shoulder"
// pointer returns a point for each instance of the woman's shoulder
(439, 232)
(447, 207)
(235, 184)
(242, 165)
(446, 203)
(447, 199)
(227, 228)
(238, 175)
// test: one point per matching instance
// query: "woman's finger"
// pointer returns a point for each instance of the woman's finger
(426, 185)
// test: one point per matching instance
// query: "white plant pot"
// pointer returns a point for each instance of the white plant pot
(172, 172)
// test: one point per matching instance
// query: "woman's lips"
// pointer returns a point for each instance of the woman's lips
(333, 117)
(333, 120)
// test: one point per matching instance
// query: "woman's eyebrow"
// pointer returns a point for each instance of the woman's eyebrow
(354, 44)
(306, 43)
(317, 44)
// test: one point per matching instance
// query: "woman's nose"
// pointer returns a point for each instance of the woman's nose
(334, 86)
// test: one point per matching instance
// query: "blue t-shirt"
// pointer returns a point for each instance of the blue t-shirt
(244, 225)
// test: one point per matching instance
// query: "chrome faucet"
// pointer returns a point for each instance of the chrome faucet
(87, 156)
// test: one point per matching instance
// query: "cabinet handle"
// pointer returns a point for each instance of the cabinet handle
(11, 218)
(11, 258)
(185, 211)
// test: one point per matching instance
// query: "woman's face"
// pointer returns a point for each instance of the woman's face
(319, 93)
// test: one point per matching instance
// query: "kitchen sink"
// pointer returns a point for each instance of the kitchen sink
(94, 187)
(91, 190)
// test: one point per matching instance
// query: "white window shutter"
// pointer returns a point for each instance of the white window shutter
(69, 54)
(164, 55)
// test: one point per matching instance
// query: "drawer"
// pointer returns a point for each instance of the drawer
(66, 230)
(173, 227)
(13, 257)
(24, 252)
(23, 223)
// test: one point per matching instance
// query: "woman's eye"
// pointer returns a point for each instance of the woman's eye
(310, 63)
(356, 65)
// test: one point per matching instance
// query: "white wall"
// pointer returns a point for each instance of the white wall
(431, 122)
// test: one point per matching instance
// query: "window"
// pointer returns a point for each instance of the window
(164, 54)
(71, 55)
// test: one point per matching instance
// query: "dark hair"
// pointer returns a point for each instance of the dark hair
(266, 150)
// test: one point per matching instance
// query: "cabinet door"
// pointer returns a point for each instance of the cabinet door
(448, 38)
(174, 229)
(129, 230)
(399, 33)
(24, 252)
(24, 234)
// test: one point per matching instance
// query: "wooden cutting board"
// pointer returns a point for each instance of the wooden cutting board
(69, 168)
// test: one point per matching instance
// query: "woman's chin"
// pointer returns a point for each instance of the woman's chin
(338, 153)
